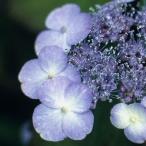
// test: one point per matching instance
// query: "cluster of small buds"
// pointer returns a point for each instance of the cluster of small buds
(98, 71)
(83, 58)
(110, 23)
(132, 70)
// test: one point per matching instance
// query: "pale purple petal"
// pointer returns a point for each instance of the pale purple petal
(50, 38)
(53, 60)
(119, 116)
(31, 89)
(61, 17)
(143, 102)
(79, 28)
(51, 93)
(136, 133)
(71, 73)
(48, 123)
(77, 126)
(79, 96)
(32, 72)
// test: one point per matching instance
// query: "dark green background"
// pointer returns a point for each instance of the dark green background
(20, 22)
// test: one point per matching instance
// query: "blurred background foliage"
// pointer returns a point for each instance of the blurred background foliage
(34, 12)
(20, 22)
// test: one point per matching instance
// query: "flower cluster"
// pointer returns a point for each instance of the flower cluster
(65, 101)
(112, 62)
(83, 58)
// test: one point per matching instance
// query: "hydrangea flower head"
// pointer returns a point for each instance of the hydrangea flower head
(67, 26)
(66, 107)
(51, 63)
(84, 58)
(132, 119)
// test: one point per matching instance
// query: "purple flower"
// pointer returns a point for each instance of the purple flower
(64, 111)
(67, 26)
(51, 63)
(132, 119)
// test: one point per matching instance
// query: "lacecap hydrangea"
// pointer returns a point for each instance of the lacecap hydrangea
(84, 59)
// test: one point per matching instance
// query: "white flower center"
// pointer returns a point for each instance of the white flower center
(134, 118)
(64, 109)
(51, 74)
